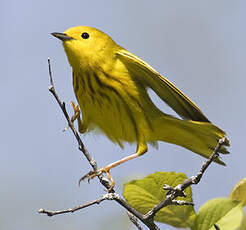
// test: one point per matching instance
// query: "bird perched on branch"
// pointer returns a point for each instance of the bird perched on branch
(110, 85)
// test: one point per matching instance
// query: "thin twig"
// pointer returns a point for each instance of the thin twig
(71, 210)
(182, 202)
(179, 189)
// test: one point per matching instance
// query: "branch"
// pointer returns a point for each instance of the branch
(134, 220)
(179, 189)
(71, 210)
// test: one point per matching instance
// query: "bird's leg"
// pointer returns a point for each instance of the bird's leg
(141, 149)
(76, 116)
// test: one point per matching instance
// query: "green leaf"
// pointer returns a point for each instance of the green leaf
(226, 213)
(239, 191)
(144, 194)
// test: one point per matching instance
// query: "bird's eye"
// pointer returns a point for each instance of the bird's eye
(85, 35)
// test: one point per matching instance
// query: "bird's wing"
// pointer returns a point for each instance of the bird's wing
(143, 73)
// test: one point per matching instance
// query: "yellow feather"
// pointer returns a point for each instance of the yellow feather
(111, 84)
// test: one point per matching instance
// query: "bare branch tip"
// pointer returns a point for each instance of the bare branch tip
(41, 210)
(182, 202)
(50, 73)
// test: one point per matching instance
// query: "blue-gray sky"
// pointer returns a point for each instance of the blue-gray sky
(198, 45)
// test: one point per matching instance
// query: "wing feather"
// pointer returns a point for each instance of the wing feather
(144, 74)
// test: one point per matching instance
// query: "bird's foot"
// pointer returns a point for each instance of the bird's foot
(75, 116)
(91, 175)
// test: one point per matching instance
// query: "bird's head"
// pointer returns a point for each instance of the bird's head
(86, 46)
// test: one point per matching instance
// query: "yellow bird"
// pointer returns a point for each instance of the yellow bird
(110, 85)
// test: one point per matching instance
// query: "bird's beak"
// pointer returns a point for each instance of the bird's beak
(63, 37)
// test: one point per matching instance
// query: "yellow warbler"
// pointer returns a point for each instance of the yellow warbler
(111, 84)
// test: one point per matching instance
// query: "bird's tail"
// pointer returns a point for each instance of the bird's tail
(199, 137)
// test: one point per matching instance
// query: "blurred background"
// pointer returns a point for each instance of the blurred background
(198, 45)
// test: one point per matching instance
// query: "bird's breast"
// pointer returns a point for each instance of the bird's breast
(107, 104)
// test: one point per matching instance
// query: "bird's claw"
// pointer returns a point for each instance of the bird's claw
(75, 115)
(91, 175)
